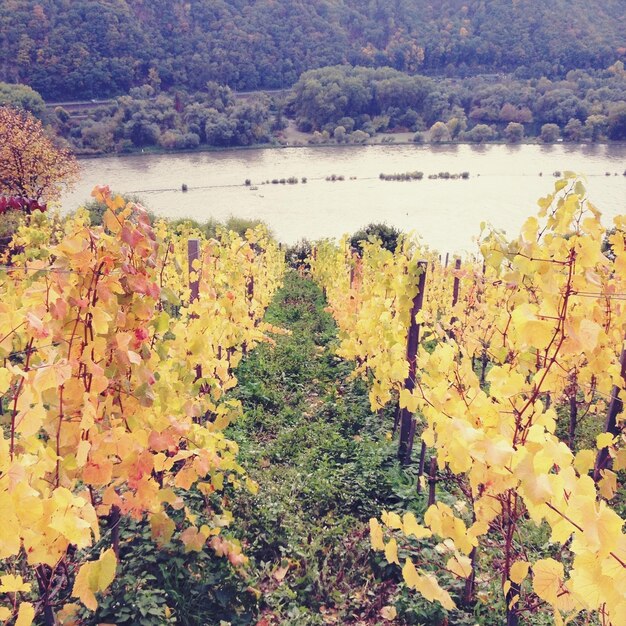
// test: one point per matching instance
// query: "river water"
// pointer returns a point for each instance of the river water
(502, 189)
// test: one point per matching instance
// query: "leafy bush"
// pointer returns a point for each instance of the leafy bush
(241, 224)
(9, 225)
(297, 254)
(168, 586)
(388, 236)
(97, 209)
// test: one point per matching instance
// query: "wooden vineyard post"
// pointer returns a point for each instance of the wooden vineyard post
(615, 408)
(193, 254)
(406, 417)
(249, 297)
(422, 461)
(432, 480)
(455, 294)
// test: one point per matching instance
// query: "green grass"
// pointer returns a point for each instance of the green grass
(323, 464)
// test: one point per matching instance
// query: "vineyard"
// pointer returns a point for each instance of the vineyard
(483, 358)
(118, 348)
(441, 445)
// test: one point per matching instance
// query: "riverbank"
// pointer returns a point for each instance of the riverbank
(291, 137)
(387, 139)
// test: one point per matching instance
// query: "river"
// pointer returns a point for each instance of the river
(502, 189)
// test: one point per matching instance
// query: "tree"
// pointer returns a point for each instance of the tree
(358, 136)
(457, 125)
(339, 134)
(573, 130)
(617, 122)
(511, 113)
(596, 126)
(439, 132)
(480, 133)
(514, 132)
(550, 133)
(32, 166)
(22, 97)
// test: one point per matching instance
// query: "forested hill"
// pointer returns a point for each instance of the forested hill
(94, 48)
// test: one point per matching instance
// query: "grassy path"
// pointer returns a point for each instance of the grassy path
(324, 466)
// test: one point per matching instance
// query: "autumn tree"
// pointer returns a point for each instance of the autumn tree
(514, 132)
(439, 133)
(32, 166)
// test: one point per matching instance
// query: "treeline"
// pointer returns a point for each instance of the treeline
(583, 106)
(342, 104)
(171, 121)
(77, 49)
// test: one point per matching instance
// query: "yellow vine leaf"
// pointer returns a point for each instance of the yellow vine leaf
(391, 520)
(94, 576)
(619, 462)
(409, 573)
(389, 613)
(547, 579)
(504, 382)
(519, 571)
(111, 221)
(442, 522)
(5, 379)
(608, 484)
(428, 586)
(411, 527)
(408, 400)
(391, 552)
(13, 584)
(603, 440)
(376, 535)
(25, 614)
(584, 461)
(603, 526)
(460, 565)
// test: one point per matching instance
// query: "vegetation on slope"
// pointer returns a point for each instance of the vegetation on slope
(86, 48)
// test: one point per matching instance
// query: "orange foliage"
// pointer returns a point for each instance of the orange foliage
(31, 165)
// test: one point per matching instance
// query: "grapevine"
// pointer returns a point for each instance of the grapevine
(543, 314)
(112, 381)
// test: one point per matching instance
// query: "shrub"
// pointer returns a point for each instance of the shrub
(388, 236)
(550, 133)
(297, 254)
(97, 209)
(241, 224)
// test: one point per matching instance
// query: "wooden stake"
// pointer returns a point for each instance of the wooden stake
(420, 469)
(432, 480)
(193, 253)
(406, 417)
(616, 406)
(455, 295)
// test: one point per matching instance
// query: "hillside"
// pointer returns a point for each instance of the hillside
(87, 48)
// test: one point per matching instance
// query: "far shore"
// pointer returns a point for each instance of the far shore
(384, 139)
